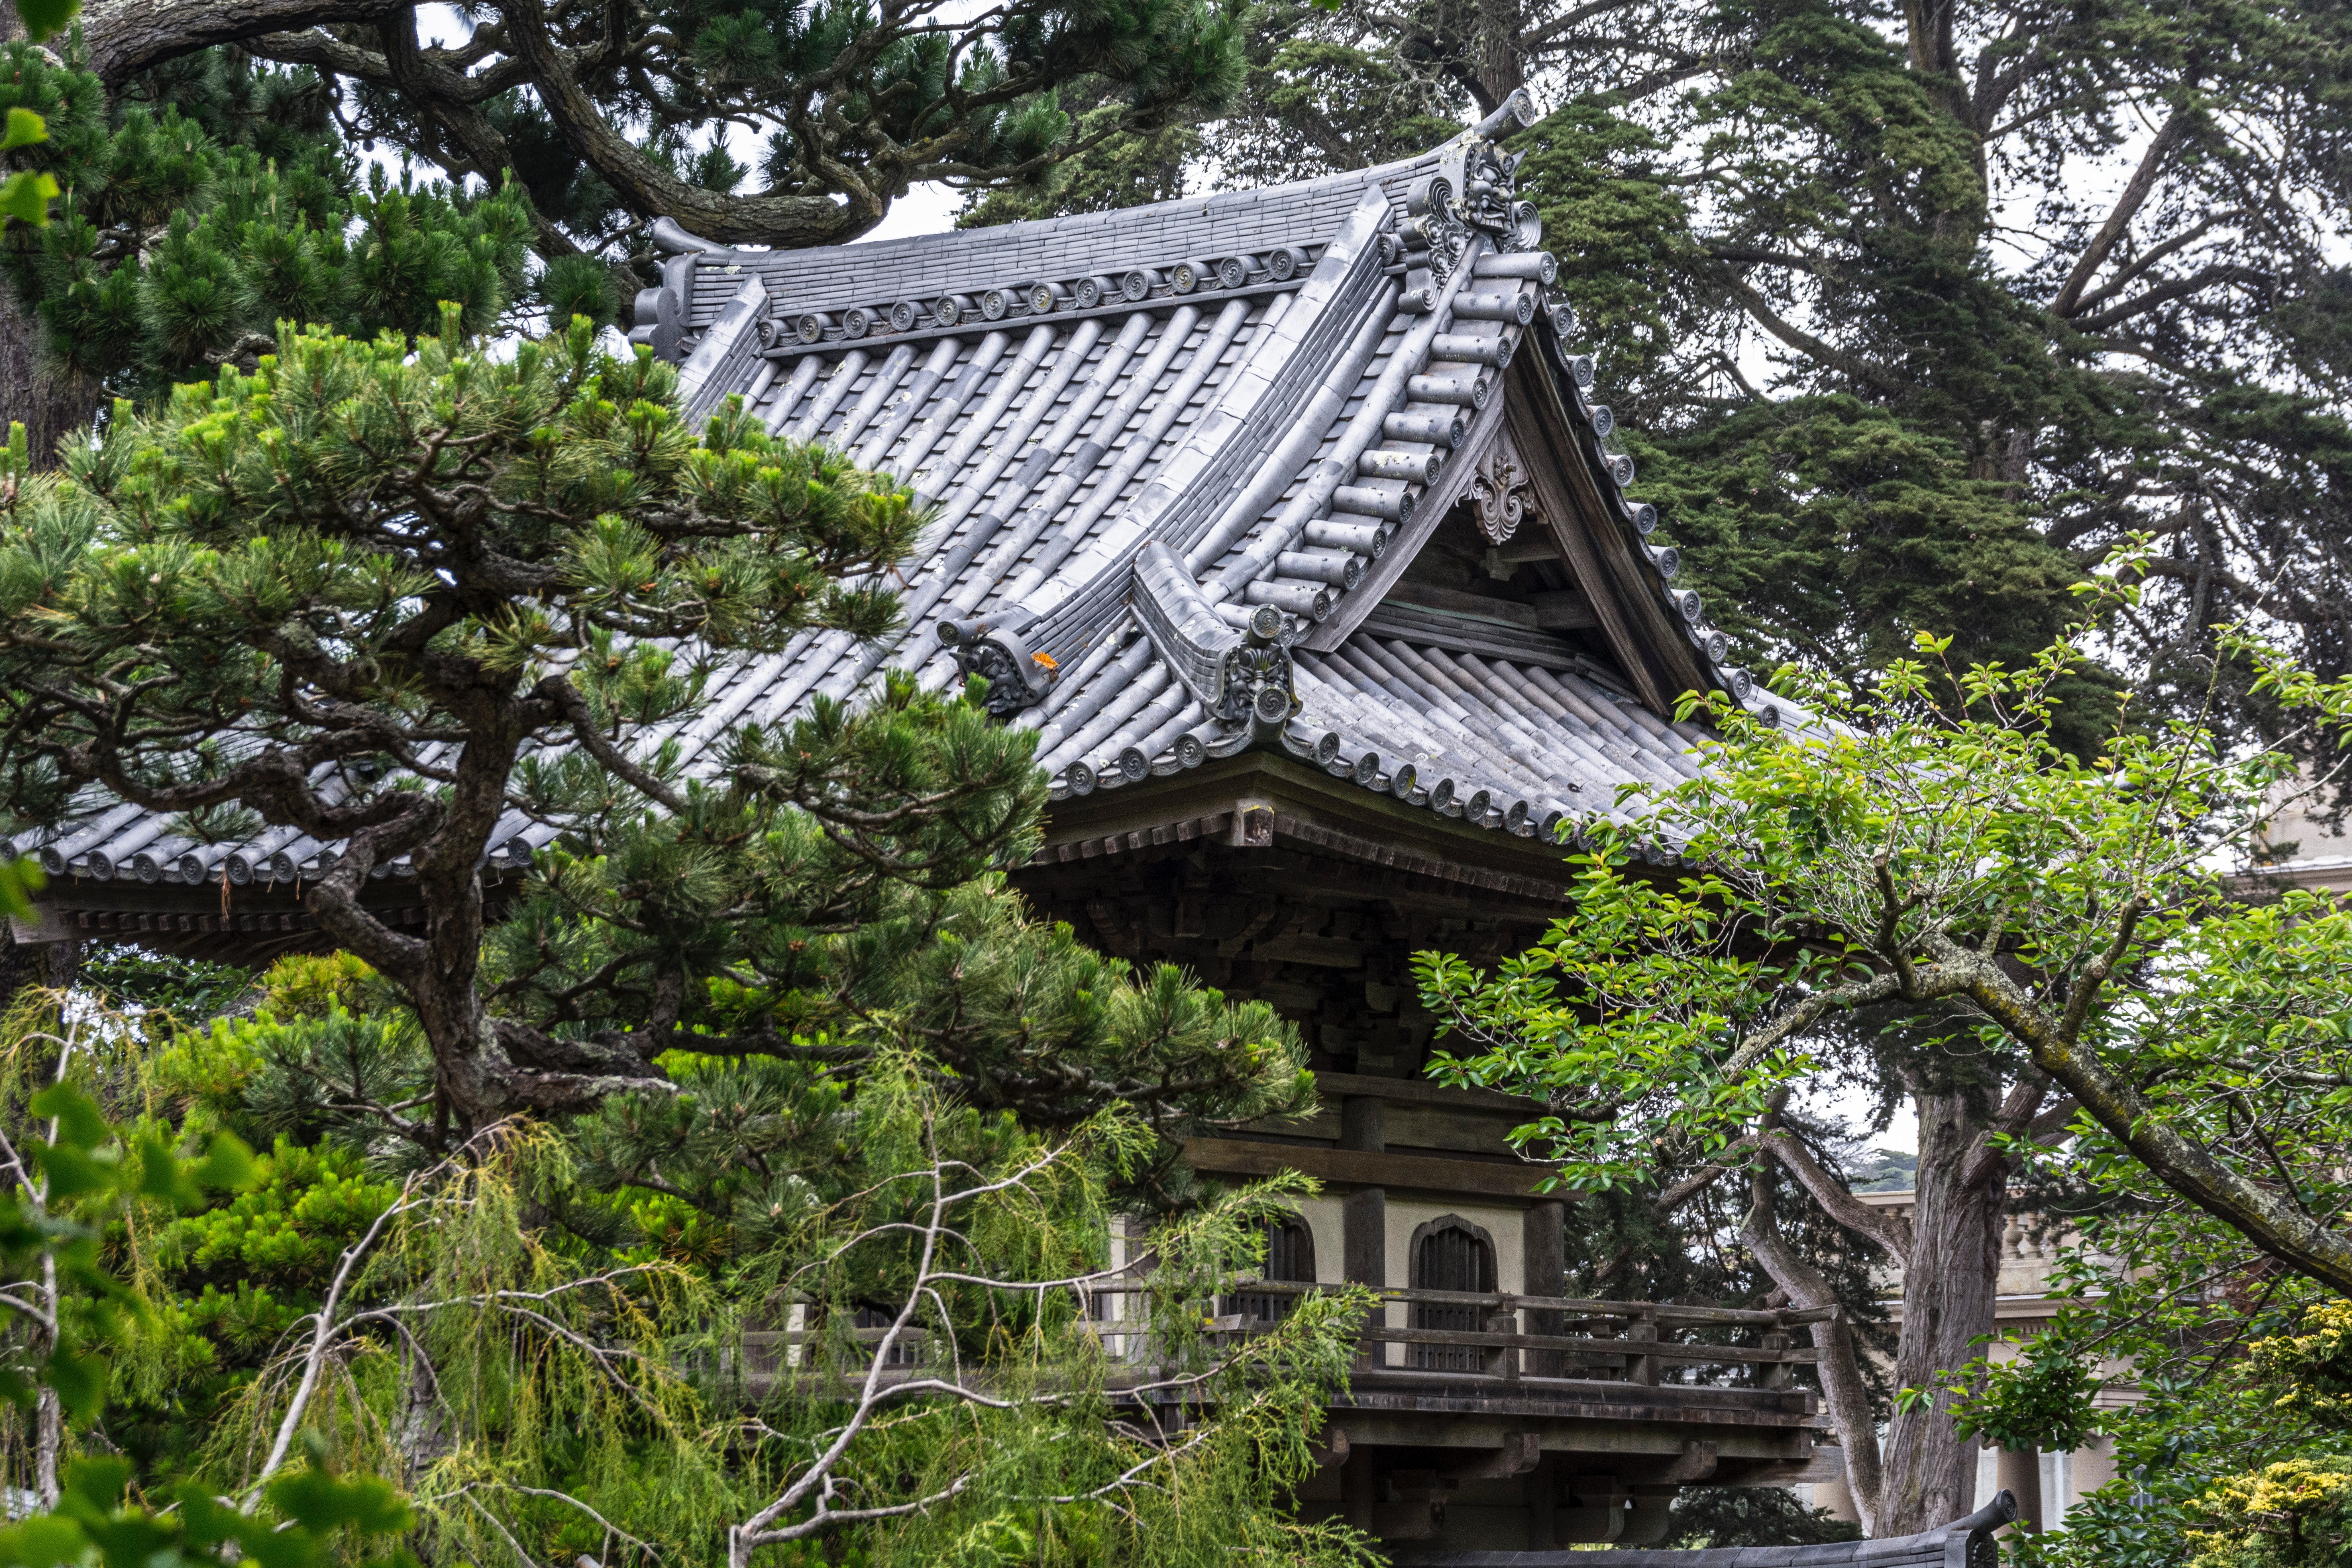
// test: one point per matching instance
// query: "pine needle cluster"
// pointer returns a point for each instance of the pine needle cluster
(190, 226)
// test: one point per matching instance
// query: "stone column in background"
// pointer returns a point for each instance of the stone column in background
(1838, 1499)
(2095, 1466)
(2020, 1473)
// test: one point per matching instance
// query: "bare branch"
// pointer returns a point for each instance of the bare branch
(1884, 1226)
(2135, 193)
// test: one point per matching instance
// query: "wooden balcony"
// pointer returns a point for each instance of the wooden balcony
(1570, 1359)
(1722, 1378)
(1470, 1419)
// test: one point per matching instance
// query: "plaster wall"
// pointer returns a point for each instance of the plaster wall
(1323, 1221)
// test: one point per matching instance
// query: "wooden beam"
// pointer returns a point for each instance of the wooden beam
(1586, 1345)
(1262, 780)
(1290, 829)
(1419, 1091)
(1480, 1178)
(1649, 639)
(1827, 1463)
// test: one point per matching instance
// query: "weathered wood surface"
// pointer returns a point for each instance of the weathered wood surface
(1966, 1542)
(1487, 1178)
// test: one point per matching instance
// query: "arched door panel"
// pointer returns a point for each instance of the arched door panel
(1289, 1257)
(1451, 1253)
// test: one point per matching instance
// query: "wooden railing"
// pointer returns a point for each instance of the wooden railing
(767, 1352)
(1533, 1337)
(1520, 1339)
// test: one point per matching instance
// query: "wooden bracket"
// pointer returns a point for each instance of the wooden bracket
(1418, 1506)
(1592, 1512)
(1696, 1464)
(1330, 1450)
(1521, 1452)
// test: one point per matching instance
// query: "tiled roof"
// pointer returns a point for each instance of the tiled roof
(1181, 459)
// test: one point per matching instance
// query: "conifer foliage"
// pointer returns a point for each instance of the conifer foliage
(221, 201)
(924, 1346)
(612, 116)
(735, 1168)
(851, 104)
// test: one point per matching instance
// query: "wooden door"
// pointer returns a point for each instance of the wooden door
(1289, 1257)
(1451, 1255)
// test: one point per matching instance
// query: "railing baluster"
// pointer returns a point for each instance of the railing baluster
(1504, 1362)
(1510, 1338)
(1641, 1367)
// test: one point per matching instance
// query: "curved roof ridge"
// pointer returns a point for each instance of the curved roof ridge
(1058, 250)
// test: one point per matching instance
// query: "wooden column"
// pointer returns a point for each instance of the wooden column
(1546, 1251)
(1543, 1495)
(1360, 1490)
(1363, 1232)
(1364, 1254)
(1642, 1368)
(1364, 1217)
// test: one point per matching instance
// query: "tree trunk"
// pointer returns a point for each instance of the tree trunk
(423, 1436)
(28, 396)
(25, 965)
(21, 401)
(476, 1080)
(1947, 1299)
(2269, 1218)
(786, 220)
(1842, 1388)
(49, 407)
(49, 1410)
(1499, 72)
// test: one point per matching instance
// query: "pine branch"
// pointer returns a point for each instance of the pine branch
(124, 38)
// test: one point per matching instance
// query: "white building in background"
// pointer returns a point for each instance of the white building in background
(2298, 849)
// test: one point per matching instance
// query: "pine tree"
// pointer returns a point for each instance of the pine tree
(28, 388)
(1130, 169)
(359, 569)
(851, 106)
(539, 1346)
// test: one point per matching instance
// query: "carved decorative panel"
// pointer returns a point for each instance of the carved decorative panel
(1499, 490)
